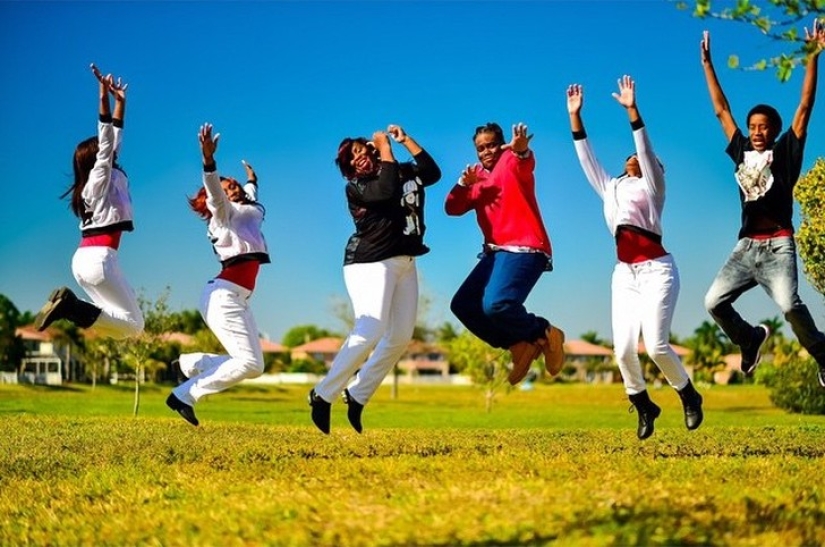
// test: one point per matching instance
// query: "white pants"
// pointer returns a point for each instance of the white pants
(225, 308)
(644, 299)
(97, 270)
(384, 299)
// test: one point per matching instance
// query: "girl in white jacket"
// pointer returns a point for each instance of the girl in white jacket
(645, 282)
(234, 228)
(100, 199)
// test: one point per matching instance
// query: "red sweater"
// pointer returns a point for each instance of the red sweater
(504, 200)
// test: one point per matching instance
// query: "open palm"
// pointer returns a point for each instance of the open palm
(627, 92)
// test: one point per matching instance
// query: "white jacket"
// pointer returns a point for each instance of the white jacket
(106, 194)
(235, 228)
(628, 200)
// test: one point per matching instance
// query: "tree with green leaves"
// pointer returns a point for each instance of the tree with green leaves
(778, 20)
(485, 365)
(810, 238)
(140, 351)
(302, 334)
(11, 345)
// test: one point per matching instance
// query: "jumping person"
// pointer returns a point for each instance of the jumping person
(501, 189)
(99, 197)
(234, 220)
(768, 163)
(386, 201)
(645, 283)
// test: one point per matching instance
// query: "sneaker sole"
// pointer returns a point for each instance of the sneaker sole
(41, 321)
(758, 353)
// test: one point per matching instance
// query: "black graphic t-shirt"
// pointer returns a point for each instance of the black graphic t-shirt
(766, 182)
(388, 210)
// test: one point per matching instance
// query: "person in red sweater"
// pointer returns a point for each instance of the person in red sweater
(501, 189)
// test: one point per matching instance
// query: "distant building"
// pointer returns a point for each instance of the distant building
(42, 364)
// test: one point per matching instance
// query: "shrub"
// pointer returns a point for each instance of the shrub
(810, 238)
(794, 386)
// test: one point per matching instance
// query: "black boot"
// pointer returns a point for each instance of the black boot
(692, 403)
(647, 411)
(354, 410)
(63, 304)
(186, 411)
(321, 411)
(83, 314)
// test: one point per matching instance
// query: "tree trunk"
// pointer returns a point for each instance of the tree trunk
(395, 382)
(137, 389)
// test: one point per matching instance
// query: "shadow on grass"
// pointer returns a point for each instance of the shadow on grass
(744, 409)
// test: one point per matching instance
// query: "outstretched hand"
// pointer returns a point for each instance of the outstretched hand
(575, 98)
(705, 46)
(468, 176)
(816, 37)
(209, 143)
(520, 140)
(109, 84)
(250, 173)
(627, 92)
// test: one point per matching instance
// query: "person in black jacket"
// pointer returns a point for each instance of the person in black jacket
(386, 201)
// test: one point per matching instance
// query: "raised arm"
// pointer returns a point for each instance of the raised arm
(251, 186)
(216, 200)
(100, 175)
(648, 163)
(721, 107)
(593, 170)
(104, 110)
(425, 167)
(816, 40)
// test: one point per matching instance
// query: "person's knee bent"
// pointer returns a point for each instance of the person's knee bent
(626, 356)
(495, 309)
(367, 331)
(253, 368)
(712, 301)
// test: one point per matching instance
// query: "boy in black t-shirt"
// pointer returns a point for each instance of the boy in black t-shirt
(767, 169)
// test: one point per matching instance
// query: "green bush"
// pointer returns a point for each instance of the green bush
(794, 386)
(307, 365)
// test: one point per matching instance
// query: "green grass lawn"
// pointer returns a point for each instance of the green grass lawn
(559, 464)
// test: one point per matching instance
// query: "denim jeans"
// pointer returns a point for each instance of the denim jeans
(490, 302)
(770, 263)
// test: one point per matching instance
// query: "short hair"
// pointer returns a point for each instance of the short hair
(490, 127)
(770, 112)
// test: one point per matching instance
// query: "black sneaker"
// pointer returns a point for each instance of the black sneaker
(752, 353)
(354, 410)
(186, 411)
(321, 411)
(54, 308)
(821, 375)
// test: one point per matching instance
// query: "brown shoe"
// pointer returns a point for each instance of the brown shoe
(553, 347)
(523, 354)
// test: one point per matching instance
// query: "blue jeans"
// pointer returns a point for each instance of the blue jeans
(490, 302)
(770, 263)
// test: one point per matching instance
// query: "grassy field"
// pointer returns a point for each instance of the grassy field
(557, 465)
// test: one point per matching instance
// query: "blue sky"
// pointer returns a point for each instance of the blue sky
(284, 82)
